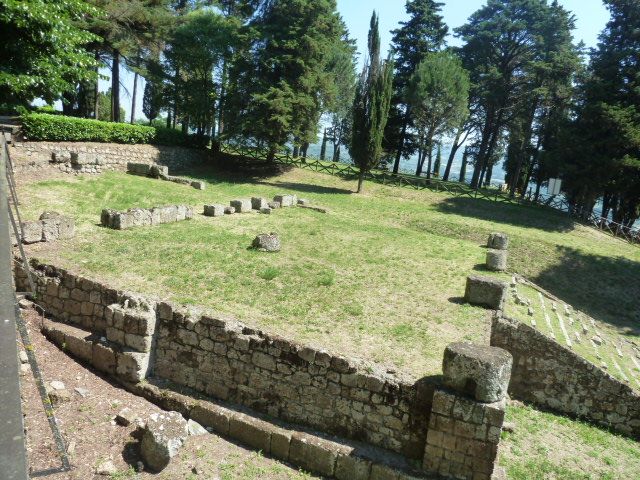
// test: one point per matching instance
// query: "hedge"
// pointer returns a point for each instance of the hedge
(58, 128)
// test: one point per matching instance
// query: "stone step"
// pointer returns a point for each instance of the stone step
(331, 457)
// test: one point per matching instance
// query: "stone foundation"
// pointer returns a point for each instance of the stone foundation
(50, 227)
(547, 374)
(486, 292)
(142, 217)
(93, 157)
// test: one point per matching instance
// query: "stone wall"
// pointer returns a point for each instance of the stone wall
(91, 157)
(297, 383)
(552, 376)
(145, 217)
(225, 359)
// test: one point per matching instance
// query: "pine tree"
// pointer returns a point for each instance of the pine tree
(600, 154)
(280, 83)
(371, 106)
(423, 33)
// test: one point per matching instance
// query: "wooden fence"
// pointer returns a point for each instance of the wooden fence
(456, 189)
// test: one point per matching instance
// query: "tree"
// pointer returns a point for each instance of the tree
(280, 83)
(152, 100)
(371, 106)
(600, 150)
(197, 49)
(129, 28)
(43, 50)
(438, 95)
(503, 40)
(423, 33)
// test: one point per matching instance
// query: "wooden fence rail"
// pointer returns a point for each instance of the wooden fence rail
(456, 189)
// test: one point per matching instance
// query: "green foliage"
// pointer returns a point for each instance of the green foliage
(423, 33)
(438, 94)
(371, 106)
(43, 49)
(282, 80)
(39, 126)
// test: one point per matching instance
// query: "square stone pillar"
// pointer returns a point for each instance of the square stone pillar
(468, 412)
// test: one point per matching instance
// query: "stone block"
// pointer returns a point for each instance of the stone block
(497, 260)
(242, 205)
(313, 454)
(476, 370)
(198, 185)
(158, 171)
(214, 210)
(383, 472)
(267, 242)
(350, 467)
(79, 347)
(251, 431)
(280, 444)
(274, 205)
(229, 210)
(103, 358)
(132, 366)
(498, 241)
(213, 416)
(33, 232)
(266, 210)
(258, 203)
(163, 436)
(486, 291)
(284, 200)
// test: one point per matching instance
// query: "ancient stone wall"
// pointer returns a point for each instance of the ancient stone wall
(230, 361)
(552, 376)
(91, 157)
(302, 384)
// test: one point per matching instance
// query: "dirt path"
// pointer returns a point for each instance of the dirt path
(92, 436)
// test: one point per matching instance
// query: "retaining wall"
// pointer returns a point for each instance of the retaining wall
(93, 157)
(552, 376)
(230, 361)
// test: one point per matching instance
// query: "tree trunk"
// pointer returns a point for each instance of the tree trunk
(487, 181)
(360, 181)
(420, 159)
(133, 97)
(463, 167)
(403, 134)
(296, 151)
(323, 148)
(271, 154)
(486, 134)
(96, 90)
(115, 87)
(452, 155)
(223, 93)
(168, 118)
(429, 158)
(305, 149)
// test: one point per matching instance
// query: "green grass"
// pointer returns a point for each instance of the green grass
(380, 277)
(547, 446)
(619, 353)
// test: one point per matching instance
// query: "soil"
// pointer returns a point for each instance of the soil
(92, 436)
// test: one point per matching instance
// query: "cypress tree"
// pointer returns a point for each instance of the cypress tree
(371, 106)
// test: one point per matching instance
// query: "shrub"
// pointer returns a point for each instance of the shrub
(41, 126)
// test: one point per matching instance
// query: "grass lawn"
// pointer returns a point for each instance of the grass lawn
(379, 277)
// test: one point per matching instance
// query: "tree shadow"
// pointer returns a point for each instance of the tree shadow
(606, 288)
(541, 218)
(234, 170)
(307, 188)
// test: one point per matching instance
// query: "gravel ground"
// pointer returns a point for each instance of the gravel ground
(93, 438)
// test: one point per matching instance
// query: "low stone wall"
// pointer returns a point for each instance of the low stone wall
(230, 361)
(552, 376)
(49, 227)
(297, 383)
(144, 217)
(92, 157)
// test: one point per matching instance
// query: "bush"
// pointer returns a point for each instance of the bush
(58, 128)
(42, 126)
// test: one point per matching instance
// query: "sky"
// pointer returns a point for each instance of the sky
(591, 18)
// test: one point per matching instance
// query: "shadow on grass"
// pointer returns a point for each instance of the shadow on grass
(308, 188)
(517, 215)
(606, 288)
(235, 170)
